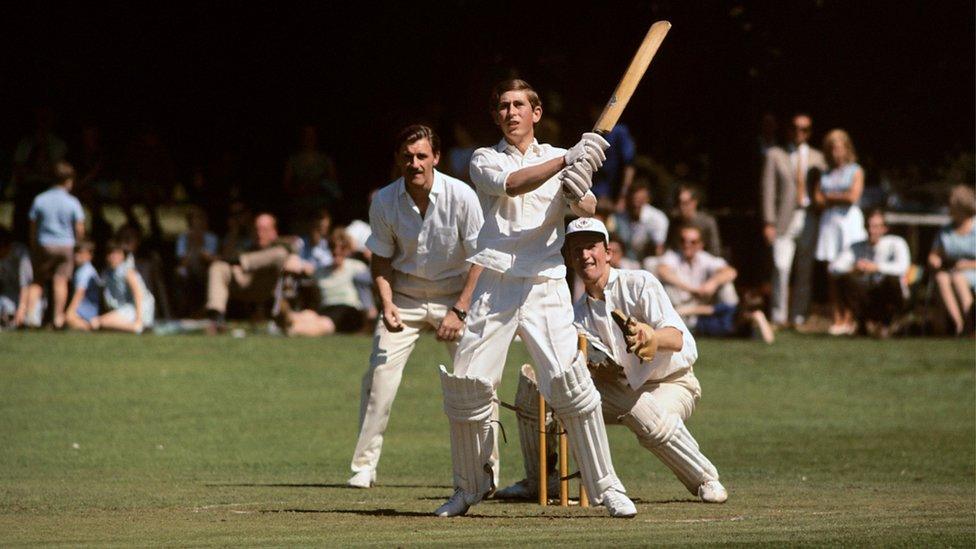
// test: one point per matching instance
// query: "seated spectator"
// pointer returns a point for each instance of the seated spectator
(144, 254)
(251, 276)
(953, 258)
(16, 275)
(340, 306)
(88, 287)
(315, 246)
(689, 198)
(56, 221)
(871, 278)
(131, 307)
(237, 239)
(195, 250)
(700, 287)
(641, 227)
(618, 255)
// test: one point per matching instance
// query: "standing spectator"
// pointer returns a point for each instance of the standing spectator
(131, 307)
(195, 250)
(790, 221)
(642, 227)
(149, 172)
(841, 223)
(57, 221)
(953, 258)
(88, 288)
(689, 198)
(34, 159)
(612, 181)
(16, 275)
(871, 275)
(310, 175)
(459, 156)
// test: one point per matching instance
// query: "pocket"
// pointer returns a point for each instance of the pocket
(444, 242)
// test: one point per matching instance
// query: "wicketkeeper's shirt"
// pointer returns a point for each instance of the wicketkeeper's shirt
(427, 252)
(641, 295)
(522, 235)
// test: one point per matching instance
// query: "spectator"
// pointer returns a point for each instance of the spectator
(56, 222)
(310, 175)
(340, 307)
(642, 227)
(195, 250)
(871, 278)
(16, 275)
(689, 198)
(841, 223)
(148, 171)
(700, 286)
(237, 239)
(618, 255)
(88, 288)
(315, 246)
(953, 258)
(33, 161)
(612, 181)
(144, 255)
(131, 307)
(459, 156)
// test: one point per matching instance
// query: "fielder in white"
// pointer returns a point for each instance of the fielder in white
(424, 225)
(526, 190)
(643, 369)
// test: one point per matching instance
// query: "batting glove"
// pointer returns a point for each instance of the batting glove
(576, 180)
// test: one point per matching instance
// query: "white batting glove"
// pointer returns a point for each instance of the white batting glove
(597, 140)
(576, 179)
(587, 150)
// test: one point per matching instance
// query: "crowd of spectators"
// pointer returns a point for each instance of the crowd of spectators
(63, 264)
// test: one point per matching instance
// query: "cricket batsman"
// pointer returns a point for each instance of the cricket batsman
(641, 363)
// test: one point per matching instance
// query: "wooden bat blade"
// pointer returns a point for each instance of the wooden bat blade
(625, 89)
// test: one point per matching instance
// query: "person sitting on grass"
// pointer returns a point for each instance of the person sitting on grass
(340, 307)
(700, 287)
(85, 300)
(16, 274)
(131, 307)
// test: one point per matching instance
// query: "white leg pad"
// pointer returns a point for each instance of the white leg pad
(576, 403)
(665, 435)
(527, 412)
(468, 405)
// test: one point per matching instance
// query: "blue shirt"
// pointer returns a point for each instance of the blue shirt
(86, 278)
(55, 212)
(606, 181)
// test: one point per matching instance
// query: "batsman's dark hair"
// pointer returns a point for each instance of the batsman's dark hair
(513, 84)
(416, 132)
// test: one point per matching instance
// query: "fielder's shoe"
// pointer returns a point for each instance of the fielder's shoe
(363, 479)
(456, 506)
(712, 492)
(619, 504)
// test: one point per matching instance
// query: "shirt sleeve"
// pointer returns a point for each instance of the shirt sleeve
(381, 241)
(659, 227)
(471, 223)
(77, 211)
(488, 177)
(655, 305)
(81, 279)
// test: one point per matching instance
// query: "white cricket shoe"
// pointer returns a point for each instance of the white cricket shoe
(363, 479)
(712, 491)
(619, 504)
(454, 507)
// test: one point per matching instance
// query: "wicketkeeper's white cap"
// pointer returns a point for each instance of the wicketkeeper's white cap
(588, 225)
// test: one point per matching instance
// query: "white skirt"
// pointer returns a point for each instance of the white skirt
(840, 227)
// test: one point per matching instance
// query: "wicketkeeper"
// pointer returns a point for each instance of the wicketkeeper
(641, 356)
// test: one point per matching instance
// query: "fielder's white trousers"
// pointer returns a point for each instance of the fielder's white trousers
(391, 350)
(539, 309)
(677, 394)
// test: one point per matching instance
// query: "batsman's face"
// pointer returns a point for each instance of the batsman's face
(516, 116)
(417, 161)
(588, 255)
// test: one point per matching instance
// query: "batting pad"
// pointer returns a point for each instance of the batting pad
(468, 405)
(576, 403)
(527, 412)
(666, 436)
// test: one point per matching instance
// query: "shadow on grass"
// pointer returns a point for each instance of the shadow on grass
(397, 513)
(318, 485)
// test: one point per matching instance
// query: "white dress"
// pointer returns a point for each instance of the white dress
(840, 226)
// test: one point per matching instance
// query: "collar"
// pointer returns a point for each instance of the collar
(505, 146)
(435, 189)
(611, 280)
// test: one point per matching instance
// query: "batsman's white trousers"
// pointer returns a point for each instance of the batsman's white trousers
(539, 309)
(391, 350)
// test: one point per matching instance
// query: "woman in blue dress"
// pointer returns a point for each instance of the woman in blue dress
(953, 257)
(842, 223)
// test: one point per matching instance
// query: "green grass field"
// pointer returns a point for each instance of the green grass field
(133, 441)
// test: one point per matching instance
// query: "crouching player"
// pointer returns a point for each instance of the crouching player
(642, 366)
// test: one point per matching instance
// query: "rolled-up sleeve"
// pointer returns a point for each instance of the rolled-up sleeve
(486, 173)
(656, 306)
(381, 241)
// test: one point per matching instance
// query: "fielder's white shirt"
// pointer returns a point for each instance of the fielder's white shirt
(522, 235)
(641, 295)
(432, 248)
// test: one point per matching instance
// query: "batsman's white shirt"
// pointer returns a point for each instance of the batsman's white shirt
(641, 295)
(522, 235)
(431, 248)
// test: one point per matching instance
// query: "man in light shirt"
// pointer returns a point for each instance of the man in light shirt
(790, 221)
(424, 226)
(526, 189)
(872, 281)
(652, 397)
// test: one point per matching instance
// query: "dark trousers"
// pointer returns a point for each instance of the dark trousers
(873, 297)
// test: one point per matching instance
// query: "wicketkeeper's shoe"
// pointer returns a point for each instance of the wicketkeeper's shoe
(363, 479)
(619, 504)
(456, 506)
(712, 492)
(524, 489)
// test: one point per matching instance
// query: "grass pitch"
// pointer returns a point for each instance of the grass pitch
(132, 441)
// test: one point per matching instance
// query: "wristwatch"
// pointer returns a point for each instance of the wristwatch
(460, 313)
